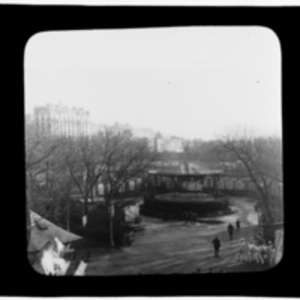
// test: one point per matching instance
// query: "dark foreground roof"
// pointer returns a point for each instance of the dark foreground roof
(45, 232)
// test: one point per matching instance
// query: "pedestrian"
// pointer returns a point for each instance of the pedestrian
(186, 217)
(191, 217)
(217, 245)
(251, 252)
(270, 253)
(238, 224)
(241, 256)
(256, 254)
(230, 230)
(195, 217)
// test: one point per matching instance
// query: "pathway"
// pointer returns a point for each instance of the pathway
(166, 247)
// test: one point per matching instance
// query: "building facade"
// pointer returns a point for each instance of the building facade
(169, 144)
(58, 120)
(95, 129)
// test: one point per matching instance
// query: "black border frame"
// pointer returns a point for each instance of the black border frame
(18, 24)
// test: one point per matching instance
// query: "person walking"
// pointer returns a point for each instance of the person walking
(191, 216)
(217, 245)
(186, 217)
(238, 224)
(195, 217)
(230, 230)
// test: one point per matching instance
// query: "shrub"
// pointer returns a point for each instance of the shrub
(165, 206)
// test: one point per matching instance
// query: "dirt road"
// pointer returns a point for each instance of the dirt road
(166, 247)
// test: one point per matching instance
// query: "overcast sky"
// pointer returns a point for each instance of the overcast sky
(193, 82)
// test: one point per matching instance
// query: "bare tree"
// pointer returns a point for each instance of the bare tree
(86, 162)
(60, 185)
(83, 162)
(262, 161)
(129, 158)
(38, 148)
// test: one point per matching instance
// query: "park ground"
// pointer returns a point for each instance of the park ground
(174, 247)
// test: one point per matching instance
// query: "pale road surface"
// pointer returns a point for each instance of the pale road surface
(168, 247)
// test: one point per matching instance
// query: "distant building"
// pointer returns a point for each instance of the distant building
(96, 129)
(117, 128)
(145, 133)
(58, 120)
(169, 144)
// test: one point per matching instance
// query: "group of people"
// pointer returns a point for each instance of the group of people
(230, 228)
(190, 216)
(249, 252)
(216, 241)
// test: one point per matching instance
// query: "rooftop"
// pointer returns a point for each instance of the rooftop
(44, 231)
(185, 169)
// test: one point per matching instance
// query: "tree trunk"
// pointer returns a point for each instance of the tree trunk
(92, 194)
(263, 193)
(267, 211)
(85, 213)
(68, 215)
(111, 228)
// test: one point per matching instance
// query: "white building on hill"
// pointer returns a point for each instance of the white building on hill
(169, 144)
(59, 120)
